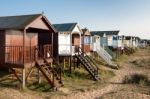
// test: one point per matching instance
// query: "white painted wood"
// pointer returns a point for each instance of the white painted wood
(65, 41)
(64, 44)
(95, 42)
(110, 40)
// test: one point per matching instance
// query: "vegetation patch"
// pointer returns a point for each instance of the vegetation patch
(136, 79)
(141, 62)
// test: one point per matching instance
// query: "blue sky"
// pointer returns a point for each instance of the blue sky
(131, 17)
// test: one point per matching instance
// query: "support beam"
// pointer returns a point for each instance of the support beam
(16, 75)
(74, 63)
(70, 61)
(28, 75)
(39, 76)
(64, 62)
(70, 66)
(23, 78)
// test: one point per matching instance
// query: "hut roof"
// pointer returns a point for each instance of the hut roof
(65, 27)
(101, 33)
(17, 22)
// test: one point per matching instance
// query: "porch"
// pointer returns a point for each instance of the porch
(20, 57)
(68, 50)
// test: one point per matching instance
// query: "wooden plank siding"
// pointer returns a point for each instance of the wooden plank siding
(12, 52)
(86, 40)
(25, 39)
(2, 49)
(86, 48)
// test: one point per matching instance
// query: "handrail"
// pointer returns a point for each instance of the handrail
(14, 54)
(103, 50)
(113, 55)
(88, 58)
(59, 69)
(104, 56)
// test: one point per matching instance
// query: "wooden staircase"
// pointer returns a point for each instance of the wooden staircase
(110, 52)
(105, 55)
(52, 75)
(88, 64)
(128, 50)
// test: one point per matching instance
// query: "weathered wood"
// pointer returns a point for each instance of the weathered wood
(70, 66)
(28, 75)
(70, 61)
(23, 78)
(64, 62)
(16, 75)
(24, 36)
(39, 76)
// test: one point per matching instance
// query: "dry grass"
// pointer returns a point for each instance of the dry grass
(81, 82)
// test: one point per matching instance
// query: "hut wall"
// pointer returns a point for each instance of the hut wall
(64, 44)
(2, 49)
(14, 38)
(86, 44)
(110, 40)
(104, 41)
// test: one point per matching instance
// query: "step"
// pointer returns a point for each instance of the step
(49, 60)
(88, 66)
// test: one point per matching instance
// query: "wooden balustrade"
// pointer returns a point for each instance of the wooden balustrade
(20, 54)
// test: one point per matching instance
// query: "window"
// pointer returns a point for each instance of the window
(87, 40)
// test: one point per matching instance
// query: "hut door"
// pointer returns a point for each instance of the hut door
(76, 41)
(31, 43)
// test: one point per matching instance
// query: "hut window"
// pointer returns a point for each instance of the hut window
(87, 40)
(114, 37)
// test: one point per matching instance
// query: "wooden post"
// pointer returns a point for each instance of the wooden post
(23, 78)
(64, 62)
(74, 63)
(51, 64)
(70, 61)
(39, 76)
(24, 38)
(70, 64)
(77, 63)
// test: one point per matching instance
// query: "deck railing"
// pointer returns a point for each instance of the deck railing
(21, 55)
(64, 49)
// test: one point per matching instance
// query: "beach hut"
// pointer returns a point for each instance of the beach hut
(108, 38)
(69, 38)
(128, 41)
(86, 41)
(100, 40)
(72, 48)
(27, 41)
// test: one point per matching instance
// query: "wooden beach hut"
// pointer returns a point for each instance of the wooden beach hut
(27, 41)
(71, 47)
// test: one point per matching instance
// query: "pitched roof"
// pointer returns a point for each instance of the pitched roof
(86, 31)
(65, 27)
(17, 22)
(101, 33)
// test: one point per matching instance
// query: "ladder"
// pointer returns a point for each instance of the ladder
(87, 63)
(105, 55)
(52, 75)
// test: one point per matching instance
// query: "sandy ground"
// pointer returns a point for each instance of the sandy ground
(116, 82)
(112, 91)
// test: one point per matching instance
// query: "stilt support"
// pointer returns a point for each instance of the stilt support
(39, 76)
(64, 62)
(23, 78)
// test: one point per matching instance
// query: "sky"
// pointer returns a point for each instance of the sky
(131, 17)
